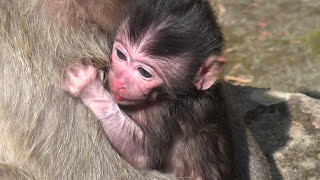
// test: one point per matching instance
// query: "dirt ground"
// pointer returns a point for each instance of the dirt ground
(272, 44)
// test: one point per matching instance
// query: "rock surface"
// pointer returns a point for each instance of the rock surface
(274, 44)
(287, 128)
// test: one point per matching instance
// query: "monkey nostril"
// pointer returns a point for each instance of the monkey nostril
(121, 88)
(117, 85)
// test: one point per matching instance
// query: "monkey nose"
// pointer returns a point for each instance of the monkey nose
(118, 86)
(119, 89)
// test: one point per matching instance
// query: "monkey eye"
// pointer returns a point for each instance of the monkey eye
(121, 55)
(144, 73)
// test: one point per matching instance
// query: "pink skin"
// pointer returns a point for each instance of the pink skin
(125, 135)
(132, 78)
(127, 87)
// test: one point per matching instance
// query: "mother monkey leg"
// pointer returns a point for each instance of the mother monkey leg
(46, 134)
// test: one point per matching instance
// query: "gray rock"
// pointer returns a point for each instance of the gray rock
(287, 128)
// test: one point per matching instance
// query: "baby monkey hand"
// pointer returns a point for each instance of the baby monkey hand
(79, 77)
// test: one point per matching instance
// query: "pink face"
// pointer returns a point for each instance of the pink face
(133, 76)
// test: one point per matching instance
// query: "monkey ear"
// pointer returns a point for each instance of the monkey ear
(209, 72)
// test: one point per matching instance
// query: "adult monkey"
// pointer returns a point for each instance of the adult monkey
(46, 134)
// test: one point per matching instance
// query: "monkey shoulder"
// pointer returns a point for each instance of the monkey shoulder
(205, 152)
(204, 148)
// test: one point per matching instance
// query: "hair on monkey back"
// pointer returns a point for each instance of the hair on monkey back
(176, 27)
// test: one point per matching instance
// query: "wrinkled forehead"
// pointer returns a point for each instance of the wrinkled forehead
(142, 38)
(122, 34)
(167, 67)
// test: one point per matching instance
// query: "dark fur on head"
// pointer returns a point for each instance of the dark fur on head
(186, 29)
(177, 26)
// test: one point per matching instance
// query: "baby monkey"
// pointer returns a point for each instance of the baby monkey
(162, 108)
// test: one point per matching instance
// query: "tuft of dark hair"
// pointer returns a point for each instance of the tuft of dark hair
(175, 28)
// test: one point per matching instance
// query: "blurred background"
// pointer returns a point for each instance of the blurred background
(272, 44)
(275, 44)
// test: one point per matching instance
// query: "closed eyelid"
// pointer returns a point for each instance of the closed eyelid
(145, 66)
(120, 54)
(139, 59)
(121, 48)
(150, 70)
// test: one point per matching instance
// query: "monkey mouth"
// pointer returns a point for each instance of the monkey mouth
(117, 97)
(124, 101)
